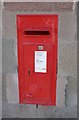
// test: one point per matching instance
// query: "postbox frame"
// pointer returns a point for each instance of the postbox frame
(20, 43)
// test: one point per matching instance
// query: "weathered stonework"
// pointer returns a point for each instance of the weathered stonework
(67, 57)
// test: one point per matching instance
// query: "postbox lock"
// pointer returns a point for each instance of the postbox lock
(40, 47)
(28, 72)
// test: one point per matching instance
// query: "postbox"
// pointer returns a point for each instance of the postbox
(37, 37)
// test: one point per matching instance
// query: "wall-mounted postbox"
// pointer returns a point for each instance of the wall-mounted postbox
(37, 58)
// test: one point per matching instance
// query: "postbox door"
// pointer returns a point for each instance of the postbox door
(38, 73)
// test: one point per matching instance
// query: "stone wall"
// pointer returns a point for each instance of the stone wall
(67, 54)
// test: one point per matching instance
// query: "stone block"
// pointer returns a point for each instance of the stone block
(8, 25)
(12, 92)
(67, 59)
(68, 26)
(60, 90)
(71, 91)
(8, 56)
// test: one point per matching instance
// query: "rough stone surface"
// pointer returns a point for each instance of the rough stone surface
(9, 58)
(39, 6)
(67, 58)
(67, 69)
(68, 26)
(12, 88)
(61, 90)
(39, 1)
(71, 91)
(0, 96)
(0, 61)
(30, 111)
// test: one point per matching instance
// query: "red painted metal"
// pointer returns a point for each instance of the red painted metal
(33, 31)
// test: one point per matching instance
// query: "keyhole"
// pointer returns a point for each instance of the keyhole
(29, 72)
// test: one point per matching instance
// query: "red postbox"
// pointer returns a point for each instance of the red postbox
(37, 37)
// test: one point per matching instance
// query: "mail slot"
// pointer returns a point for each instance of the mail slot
(37, 37)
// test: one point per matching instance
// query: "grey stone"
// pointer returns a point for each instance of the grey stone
(12, 88)
(60, 90)
(71, 91)
(30, 111)
(67, 59)
(67, 69)
(8, 58)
